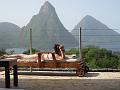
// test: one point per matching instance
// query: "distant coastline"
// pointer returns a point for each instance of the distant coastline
(16, 50)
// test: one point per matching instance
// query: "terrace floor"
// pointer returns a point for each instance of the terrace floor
(65, 81)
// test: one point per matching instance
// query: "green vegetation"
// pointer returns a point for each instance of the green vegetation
(72, 51)
(33, 51)
(95, 57)
(2, 52)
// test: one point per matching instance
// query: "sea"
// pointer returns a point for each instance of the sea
(16, 50)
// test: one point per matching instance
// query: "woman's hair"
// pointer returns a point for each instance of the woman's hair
(56, 48)
(62, 48)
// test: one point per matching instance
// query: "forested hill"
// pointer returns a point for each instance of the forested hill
(9, 35)
(96, 33)
(47, 30)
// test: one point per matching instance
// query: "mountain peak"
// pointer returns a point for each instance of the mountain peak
(47, 3)
(88, 17)
(47, 7)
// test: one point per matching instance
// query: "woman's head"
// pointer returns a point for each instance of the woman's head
(58, 48)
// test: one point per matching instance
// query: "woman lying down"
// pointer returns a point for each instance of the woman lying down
(59, 55)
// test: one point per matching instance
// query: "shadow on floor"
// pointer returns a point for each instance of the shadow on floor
(58, 74)
(92, 74)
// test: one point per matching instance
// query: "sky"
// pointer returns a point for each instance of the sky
(70, 12)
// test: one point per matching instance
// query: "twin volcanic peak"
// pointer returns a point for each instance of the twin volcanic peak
(47, 30)
(96, 33)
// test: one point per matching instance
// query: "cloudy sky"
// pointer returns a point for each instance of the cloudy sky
(70, 12)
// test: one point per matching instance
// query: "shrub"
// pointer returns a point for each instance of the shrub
(2, 52)
(33, 51)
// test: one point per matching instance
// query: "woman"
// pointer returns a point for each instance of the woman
(59, 54)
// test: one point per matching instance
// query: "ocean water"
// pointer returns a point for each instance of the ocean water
(16, 50)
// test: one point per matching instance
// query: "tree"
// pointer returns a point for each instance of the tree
(2, 52)
(96, 57)
(33, 51)
(72, 51)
